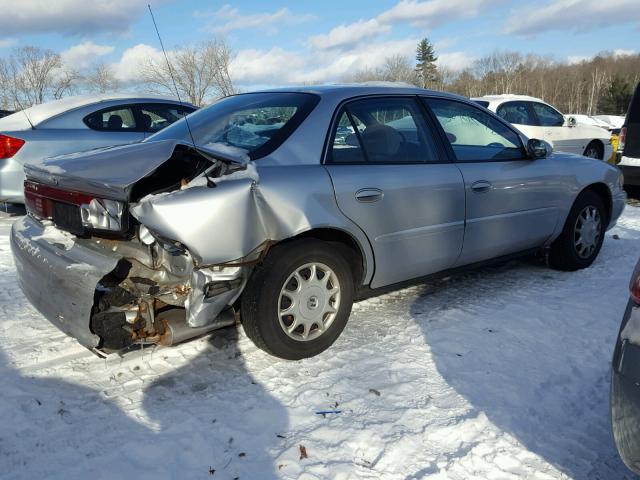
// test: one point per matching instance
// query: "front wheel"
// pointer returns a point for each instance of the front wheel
(298, 301)
(581, 239)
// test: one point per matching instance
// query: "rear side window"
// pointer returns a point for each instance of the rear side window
(474, 134)
(547, 116)
(155, 117)
(116, 119)
(253, 124)
(517, 113)
(382, 130)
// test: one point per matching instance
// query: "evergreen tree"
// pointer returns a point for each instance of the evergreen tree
(616, 98)
(426, 67)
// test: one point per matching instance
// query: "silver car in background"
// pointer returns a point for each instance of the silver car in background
(77, 123)
(286, 206)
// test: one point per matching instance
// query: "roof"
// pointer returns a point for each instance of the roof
(347, 90)
(39, 113)
(506, 96)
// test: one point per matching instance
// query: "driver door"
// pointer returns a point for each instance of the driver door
(512, 202)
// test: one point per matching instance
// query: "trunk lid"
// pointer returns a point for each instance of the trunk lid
(109, 172)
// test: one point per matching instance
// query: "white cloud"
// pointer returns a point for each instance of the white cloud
(621, 52)
(228, 18)
(424, 14)
(572, 15)
(574, 59)
(7, 42)
(69, 16)
(455, 60)
(85, 54)
(275, 66)
(280, 67)
(129, 67)
(345, 36)
(434, 12)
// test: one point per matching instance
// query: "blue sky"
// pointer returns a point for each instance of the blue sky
(279, 42)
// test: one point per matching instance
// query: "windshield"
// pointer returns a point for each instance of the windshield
(251, 124)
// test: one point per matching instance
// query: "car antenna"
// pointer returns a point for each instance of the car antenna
(175, 86)
(22, 109)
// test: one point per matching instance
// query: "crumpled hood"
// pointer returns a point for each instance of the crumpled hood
(110, 171)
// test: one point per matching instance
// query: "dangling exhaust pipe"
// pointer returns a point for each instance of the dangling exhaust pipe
(177, 329)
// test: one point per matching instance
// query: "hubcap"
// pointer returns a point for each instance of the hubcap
(309, 301)
(586, 233)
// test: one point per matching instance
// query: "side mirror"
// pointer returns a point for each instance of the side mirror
(537, 148)
(571, 122)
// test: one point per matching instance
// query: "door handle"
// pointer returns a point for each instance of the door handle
(481, 186)
(369, 195)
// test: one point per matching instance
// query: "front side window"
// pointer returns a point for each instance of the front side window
(517, 113)
(154, 117)
(253, 124)
(547, 116)
(475, 135)
(382, 130)
(116, 119)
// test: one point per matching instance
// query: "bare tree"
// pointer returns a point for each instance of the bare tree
(396, 68)
(200, 72)
(34, 73)
(101, 79)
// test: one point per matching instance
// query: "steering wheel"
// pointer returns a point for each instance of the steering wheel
(496, 145)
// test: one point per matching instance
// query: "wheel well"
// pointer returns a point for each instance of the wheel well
(603, 192)
(598, 142)
(355, 257)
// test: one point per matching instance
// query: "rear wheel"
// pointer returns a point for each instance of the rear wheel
(594, 150)
(298, 301)
(581, 239)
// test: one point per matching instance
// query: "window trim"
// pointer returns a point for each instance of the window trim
(486, 111)
(441, 153)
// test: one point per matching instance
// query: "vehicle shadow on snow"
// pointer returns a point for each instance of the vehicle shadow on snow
(509, 339)
(206, 418)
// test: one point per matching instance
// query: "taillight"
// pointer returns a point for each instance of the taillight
(621, 139)
(9, 146)
(634, 286)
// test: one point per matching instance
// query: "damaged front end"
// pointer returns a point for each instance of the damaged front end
(112, 287)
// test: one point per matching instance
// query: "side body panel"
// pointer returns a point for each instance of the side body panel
(519, 209)
(416, 226)
(228, 222)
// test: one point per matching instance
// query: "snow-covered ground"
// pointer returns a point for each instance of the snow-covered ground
(498, 373)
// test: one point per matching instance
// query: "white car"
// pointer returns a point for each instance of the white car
(537, 119)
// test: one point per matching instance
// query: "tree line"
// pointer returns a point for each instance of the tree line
(603, 84)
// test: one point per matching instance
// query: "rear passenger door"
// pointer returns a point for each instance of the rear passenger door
(512, 202)
(392, 180)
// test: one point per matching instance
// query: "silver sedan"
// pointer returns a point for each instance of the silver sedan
(279, 208)
(77, 123)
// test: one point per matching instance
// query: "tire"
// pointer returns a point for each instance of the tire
(274, 301)
(595, 150)
(568, 250)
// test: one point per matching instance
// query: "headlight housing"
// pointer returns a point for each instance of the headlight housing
(102, 214)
